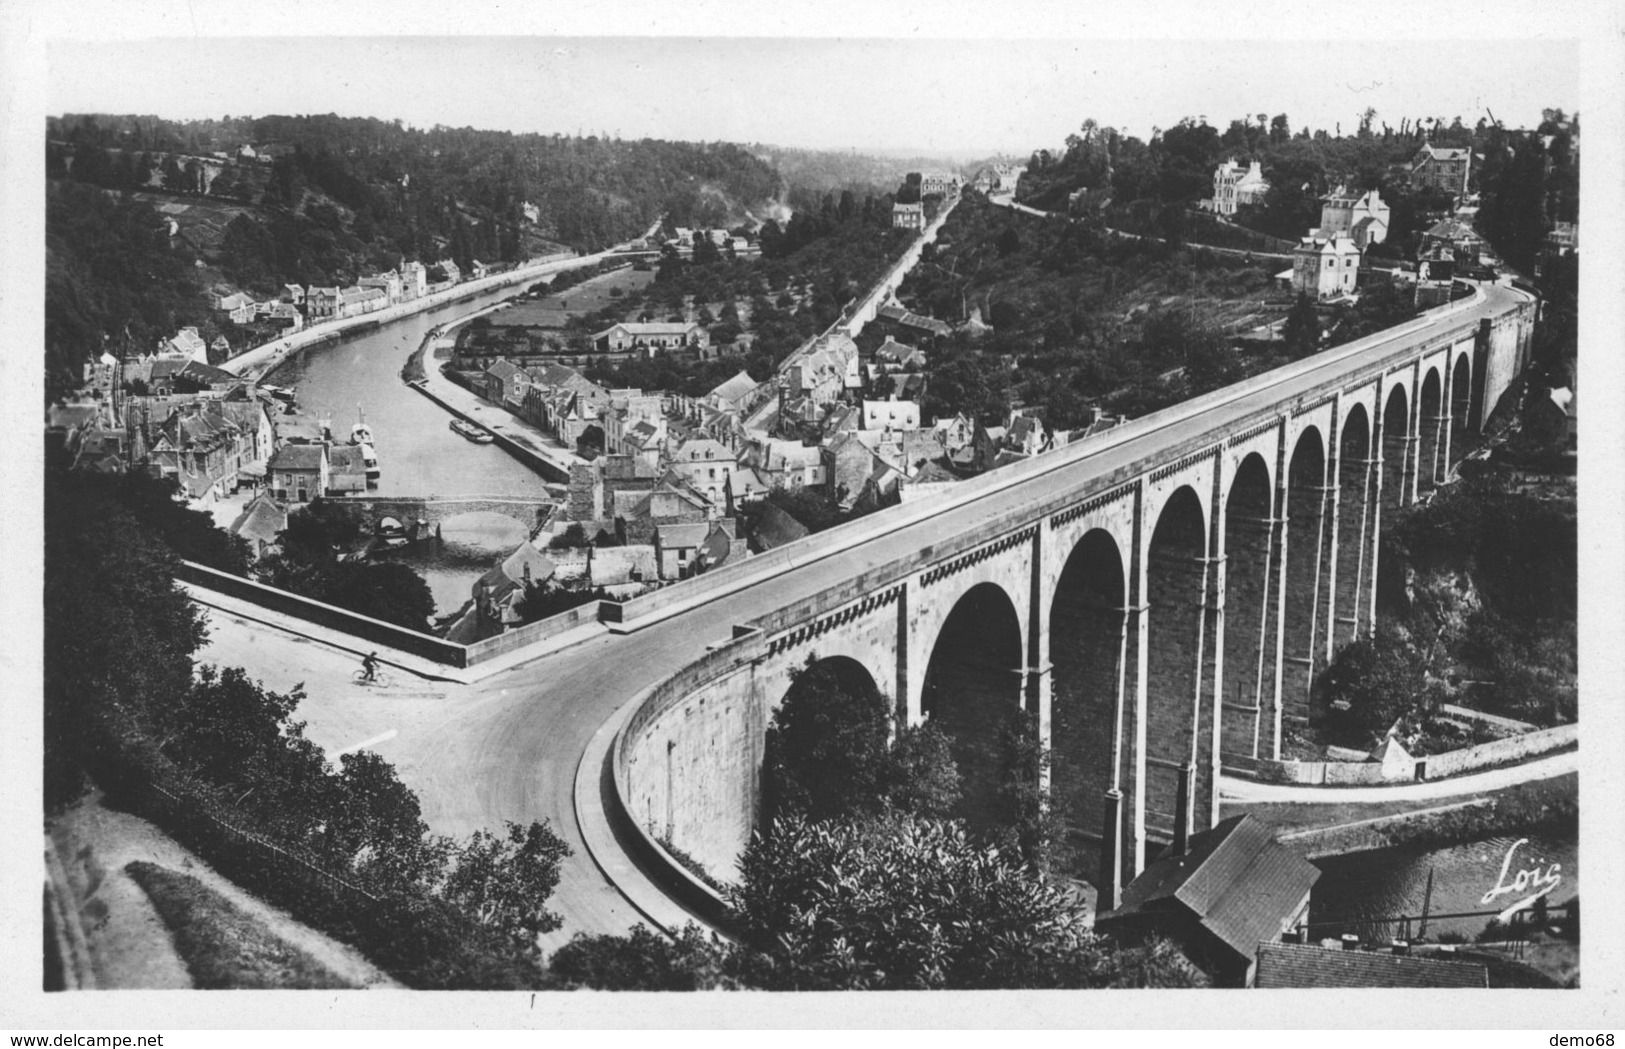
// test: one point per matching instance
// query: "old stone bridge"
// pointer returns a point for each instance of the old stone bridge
(1159, 595)
(434, 510)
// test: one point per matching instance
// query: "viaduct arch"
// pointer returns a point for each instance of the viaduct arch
(1158, 596)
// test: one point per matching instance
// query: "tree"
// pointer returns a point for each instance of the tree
(1370, 683)
(1301, 331)
(963, 380)
(119, 634)
(923, 779)
(903, 903)
(646, 961)
(502, 881)
(826, 752)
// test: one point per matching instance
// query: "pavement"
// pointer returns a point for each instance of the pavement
(1245, 791)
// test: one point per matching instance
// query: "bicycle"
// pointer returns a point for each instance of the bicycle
(379, 678)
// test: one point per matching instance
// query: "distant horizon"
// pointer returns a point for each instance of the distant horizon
(1008, 97)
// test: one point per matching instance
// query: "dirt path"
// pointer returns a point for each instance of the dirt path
(128, 944)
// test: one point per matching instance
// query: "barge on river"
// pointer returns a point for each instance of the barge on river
(474, 432)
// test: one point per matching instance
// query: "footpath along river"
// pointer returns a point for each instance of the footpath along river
(418, 454)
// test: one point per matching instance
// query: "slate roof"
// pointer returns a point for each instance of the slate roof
(650, 328)
(298, 457)
(1235, 878)
(1439, 153)
(898, 315)
(735, 389)
(682, 536)
(511, 571)
(262, 520)
(614, 565)
(207, 374)
(1453, 230)
(1301, 965)
(702, 450)
(776, 527)
(505, 370)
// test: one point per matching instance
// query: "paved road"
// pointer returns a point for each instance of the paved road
(1246, 791)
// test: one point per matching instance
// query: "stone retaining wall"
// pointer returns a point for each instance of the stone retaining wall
(1434, 766)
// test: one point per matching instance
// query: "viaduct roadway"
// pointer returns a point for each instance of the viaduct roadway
(507, 747)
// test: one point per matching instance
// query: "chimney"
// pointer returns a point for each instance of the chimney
(1351, 942)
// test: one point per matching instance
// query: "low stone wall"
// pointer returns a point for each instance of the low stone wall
(323, 614)
(1325, 773)
(531, 633)
(379, 632)
(1499, 752)
(1434, 766)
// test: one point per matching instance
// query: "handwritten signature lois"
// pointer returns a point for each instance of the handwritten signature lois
(1540, 881)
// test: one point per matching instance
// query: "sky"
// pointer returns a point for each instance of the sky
(960, 97)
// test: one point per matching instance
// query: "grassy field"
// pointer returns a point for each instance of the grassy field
(223, 947)
(554, 311)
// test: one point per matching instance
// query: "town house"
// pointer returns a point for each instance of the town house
(908, 216)
(706, 465)
(1363, 217)
(1442, 169)
(1325, 267)
(652, 336)
(299, 472)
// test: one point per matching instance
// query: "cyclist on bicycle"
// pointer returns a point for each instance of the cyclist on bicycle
(369, 667)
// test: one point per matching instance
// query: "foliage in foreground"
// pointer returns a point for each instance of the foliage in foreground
(126, 708)
(891, 903)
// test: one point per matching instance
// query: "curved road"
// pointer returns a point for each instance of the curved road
(507, 747)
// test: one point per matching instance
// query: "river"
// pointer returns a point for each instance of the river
(1387, 882)
(418, 454)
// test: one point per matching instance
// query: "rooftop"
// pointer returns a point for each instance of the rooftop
(1301, 965)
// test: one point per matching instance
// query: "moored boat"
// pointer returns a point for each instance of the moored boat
(369, 459)
(475, 433)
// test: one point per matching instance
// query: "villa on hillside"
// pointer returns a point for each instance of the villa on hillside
(1445, 169)
(1232, 187)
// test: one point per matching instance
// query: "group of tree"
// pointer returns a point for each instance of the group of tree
(343, 197)
(1528, 179)
(113, 281)
(860, 878)
(316, 558)
(129, 711)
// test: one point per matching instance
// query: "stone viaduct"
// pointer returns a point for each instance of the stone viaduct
(1159, 596)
